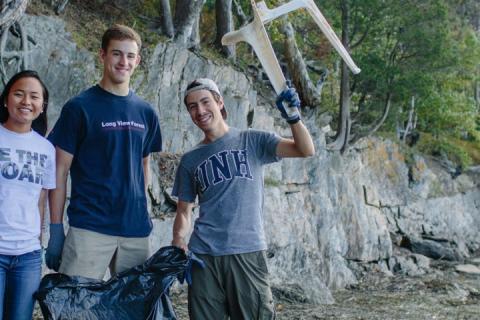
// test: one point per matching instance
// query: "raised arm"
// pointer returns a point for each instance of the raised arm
(56, 200)
(301, 145)
(182, 224)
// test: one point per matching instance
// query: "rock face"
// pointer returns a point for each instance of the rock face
(326, 217)
(65, 69)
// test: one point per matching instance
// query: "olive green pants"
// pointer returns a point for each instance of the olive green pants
(233, 286)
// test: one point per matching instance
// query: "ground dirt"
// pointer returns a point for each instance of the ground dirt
(441, 294)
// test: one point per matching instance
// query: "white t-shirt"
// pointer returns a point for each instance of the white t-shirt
(27, 165)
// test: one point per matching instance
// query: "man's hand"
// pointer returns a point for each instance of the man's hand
(288, 103)
(53, 255)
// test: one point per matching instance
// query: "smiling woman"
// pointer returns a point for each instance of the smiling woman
(25, 101)
(27, 162)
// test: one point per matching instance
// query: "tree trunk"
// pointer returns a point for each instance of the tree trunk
(194, 39)
(309, 93)
(60, 7)
(344, 121)
(410, 120)
(166, 18)
(187, 12)
(476, 93)
(24, 48)
(10, 12)
(343, 135)
(224, 20)
(382, 119)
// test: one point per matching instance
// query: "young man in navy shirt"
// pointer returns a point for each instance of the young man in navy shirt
(104, 138)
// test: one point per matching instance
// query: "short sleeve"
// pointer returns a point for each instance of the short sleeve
(49, 181)
(69, 130)
(153, 142)
(184, 185)
(264, 145)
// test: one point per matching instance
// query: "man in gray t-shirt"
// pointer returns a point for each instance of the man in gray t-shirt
(225, 172)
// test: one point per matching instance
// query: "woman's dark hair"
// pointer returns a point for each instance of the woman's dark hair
(40, 124)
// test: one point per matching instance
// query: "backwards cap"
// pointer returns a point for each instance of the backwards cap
(204, 84)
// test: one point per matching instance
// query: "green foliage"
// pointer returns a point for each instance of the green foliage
(272, 182)
(210, 5)
(446, 148)
(422, 49)
(207, 20)
(427, 49)
(150, 8)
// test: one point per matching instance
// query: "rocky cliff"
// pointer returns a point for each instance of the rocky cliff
(328, 218)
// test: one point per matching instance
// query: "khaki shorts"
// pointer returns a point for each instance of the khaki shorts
(233, 286)
(89, 254)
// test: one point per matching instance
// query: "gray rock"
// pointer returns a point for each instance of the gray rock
(411, 265)
(320, 213)
(433, 249)
(65, 69)
(467, 268)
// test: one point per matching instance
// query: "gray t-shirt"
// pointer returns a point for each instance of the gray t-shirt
(227, 177)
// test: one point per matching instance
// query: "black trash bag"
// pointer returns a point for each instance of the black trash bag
(141, 292)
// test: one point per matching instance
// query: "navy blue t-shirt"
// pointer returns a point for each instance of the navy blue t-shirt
(108, 136)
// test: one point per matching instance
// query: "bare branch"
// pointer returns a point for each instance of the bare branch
(379, 122)
(344, 122)
(242, 18)
(187, 14)
(166, 18)
(409, 125)
(61, 7)
(11, 12)
(224, 21)
(309, 93)
(362, 37)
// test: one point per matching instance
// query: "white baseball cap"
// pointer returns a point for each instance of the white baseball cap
(204, 84)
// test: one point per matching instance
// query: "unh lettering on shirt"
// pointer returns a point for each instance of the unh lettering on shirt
(122, 125)
(222, 166)
(22, 165)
